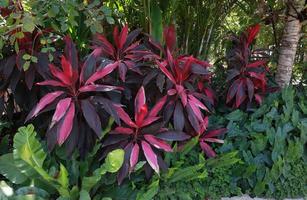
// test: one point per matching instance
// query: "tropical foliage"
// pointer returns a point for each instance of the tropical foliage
(150, 100)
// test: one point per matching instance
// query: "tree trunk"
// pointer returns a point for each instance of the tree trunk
(289, 42)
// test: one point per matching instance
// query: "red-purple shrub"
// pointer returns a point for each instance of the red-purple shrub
(142, 137)
(75, 118)
(247, 79)
(126, 52)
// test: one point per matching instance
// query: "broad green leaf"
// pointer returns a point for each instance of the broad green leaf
(28, 152)
(63, 176)
(156, 21)
(236, 115)
(114, 160)
(28, 23)
(153, 189)
(84, 195)
(259, 188)
(10, 170)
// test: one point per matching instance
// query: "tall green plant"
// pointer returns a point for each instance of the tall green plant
(29, 164)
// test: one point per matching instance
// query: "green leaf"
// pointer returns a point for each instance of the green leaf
(26, 56)
(10, 170)
(114, 160)
(28, 152)
(188, 173)
(84, 195)
(63, 177)
(156, 21)
(28, 23)
(153, 189)
(110, 20)
(236, 115)
(26, 65)
(259, 188)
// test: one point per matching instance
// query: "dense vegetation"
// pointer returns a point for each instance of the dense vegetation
(152, 99)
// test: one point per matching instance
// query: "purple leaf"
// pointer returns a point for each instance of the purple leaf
(60, 110)
(156, 109)
(178, 117)
(173, 136)
(207, 149)
(158, 143)
(102, 73)
(124, 116)
(99, 88)
(134, 157)
(46, 100)
(150, 156)
(91, 116)
(139, 101)
(67, 125)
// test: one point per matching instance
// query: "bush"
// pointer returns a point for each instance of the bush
(272, 143)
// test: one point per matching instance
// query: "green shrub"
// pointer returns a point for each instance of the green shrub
(271, 142)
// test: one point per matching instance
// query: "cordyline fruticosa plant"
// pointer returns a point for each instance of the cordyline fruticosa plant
(142, 137)
(126, 53)
(75, 118)
(80, 95)
(184, 74)
(247, 79)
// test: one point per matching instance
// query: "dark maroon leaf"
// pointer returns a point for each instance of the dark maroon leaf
(250, 89)
(178, 117)
(91, 116)
(113, 139)
(124, 170)
(173, 136)
(29, 77)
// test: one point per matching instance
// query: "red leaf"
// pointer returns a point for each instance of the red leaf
(139, 101)
(124, 116)
(258, 98)
(123, 36)
(91, 116)
(67, 124)
(67, 68)
(59, 75)
(60, 110)
(252, 33)
(149, 120)
(196, 111)
(71, 52)
(116, 36)
(256, 63)
(46, 100)
(169, 35)
(182, 93)
(232, 90)
(215, 133)
(123, 130)
(106, 45)
(99, 88)
(240, 96)
(166, 72)
(151, 157)
(159, 105)
(52, 83)
(250, 89)
(139, 118)
(207, 149)
(102, 73)
(158, 143)
(134, 157)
